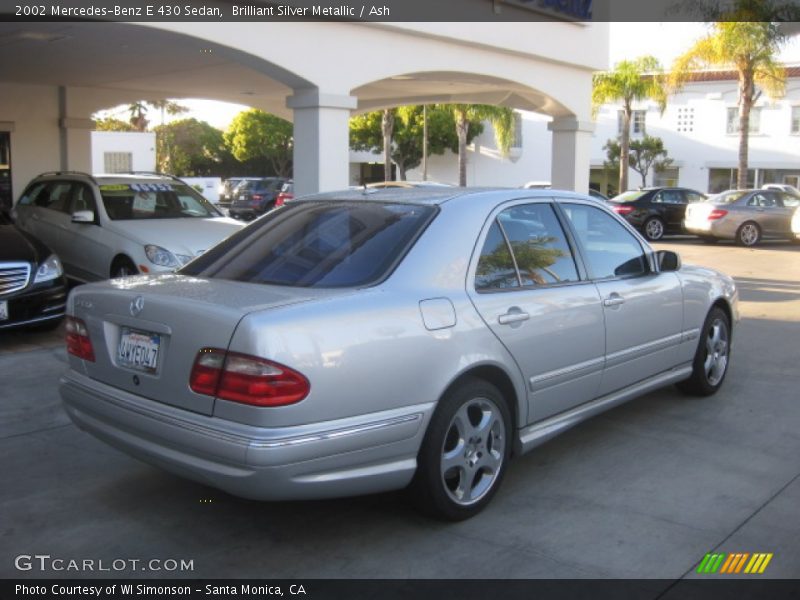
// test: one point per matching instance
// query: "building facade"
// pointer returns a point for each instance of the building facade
(698, 128)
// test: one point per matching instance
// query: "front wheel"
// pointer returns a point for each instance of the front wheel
(654, 229)
(465, 452)
(123, 267)
(712, 356)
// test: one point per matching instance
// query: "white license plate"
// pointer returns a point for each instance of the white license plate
(3, 310)
(138, 349)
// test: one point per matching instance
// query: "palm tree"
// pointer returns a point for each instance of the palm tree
(138, 111)
(387, 129)
(502, 120)
(750, 48)
(168, 107)
(630, 81)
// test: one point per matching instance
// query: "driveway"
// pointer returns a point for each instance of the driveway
(643, 491)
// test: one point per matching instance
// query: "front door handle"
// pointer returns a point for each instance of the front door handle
(513, 317)
(614, 300)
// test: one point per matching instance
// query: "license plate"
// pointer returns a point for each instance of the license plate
(138, 349)
(3, 310)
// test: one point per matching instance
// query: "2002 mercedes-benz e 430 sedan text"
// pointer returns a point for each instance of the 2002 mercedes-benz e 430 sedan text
(357, 342)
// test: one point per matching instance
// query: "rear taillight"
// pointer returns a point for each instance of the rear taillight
(717, 213)
(246, 379)
(282, 198)
(623, 210)
(78, 342)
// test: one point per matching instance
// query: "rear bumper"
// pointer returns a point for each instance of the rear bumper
(353, 456)
(720, 229)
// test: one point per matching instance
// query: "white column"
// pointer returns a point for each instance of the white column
(75, 135)
(321, 140)
(571, 153)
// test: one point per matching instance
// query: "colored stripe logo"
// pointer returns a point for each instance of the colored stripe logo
(734, 563)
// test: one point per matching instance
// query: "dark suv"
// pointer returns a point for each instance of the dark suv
(656, 211)
(254, 197)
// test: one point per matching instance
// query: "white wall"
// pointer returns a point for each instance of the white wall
(141, 145)
(31, 114)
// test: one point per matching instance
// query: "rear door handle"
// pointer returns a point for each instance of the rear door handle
(614, 300)
(513, 317)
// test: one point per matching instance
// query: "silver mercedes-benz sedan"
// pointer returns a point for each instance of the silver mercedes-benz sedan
(358, 342)
(746, 216)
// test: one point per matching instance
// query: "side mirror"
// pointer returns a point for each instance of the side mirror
(668, 261)
(83, 216)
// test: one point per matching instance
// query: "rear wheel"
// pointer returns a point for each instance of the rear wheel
(123, 267)
(712, 356)
(465, 452)
(748, 234)
(653, 229)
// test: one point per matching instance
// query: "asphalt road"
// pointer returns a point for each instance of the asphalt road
(643, 491)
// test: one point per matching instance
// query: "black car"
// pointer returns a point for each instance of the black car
(655, 211)
(33, 290)
(254, 197)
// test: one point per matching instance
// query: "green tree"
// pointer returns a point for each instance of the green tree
(644, 154)
(112, 124)
(751, 49)
(467, 116)
(189, 147)
(255, 134)
(629, 82)
(366, 134)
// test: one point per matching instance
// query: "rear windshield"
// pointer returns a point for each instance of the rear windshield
(265, 184)
(726, 197)
(628, 196)
(134, 201)
(322, 245)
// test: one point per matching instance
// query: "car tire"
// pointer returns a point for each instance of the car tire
(123, 267)
(465, 452)
(653, 229)
(712, 357)
(748, 234)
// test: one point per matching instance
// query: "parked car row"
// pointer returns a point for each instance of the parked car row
(746, 216)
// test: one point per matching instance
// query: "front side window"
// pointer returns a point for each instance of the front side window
(56, 196)
(611, 250)
(525, 246)
(320, 245)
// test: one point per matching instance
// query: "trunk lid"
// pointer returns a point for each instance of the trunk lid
(147, 330)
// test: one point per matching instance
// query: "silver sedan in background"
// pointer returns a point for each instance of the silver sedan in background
(358, 342)
(746, 216)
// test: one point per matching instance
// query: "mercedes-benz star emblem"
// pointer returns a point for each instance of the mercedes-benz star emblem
(137, 305)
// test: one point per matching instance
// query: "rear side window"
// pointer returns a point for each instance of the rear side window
(325, 244)
(539, 254)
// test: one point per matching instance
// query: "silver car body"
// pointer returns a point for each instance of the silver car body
(770, 210)
(88, 249)
(379, 358)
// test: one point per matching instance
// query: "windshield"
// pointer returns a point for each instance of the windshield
(628, 196)
(325, 244)
(134, 201)
(726, 197)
